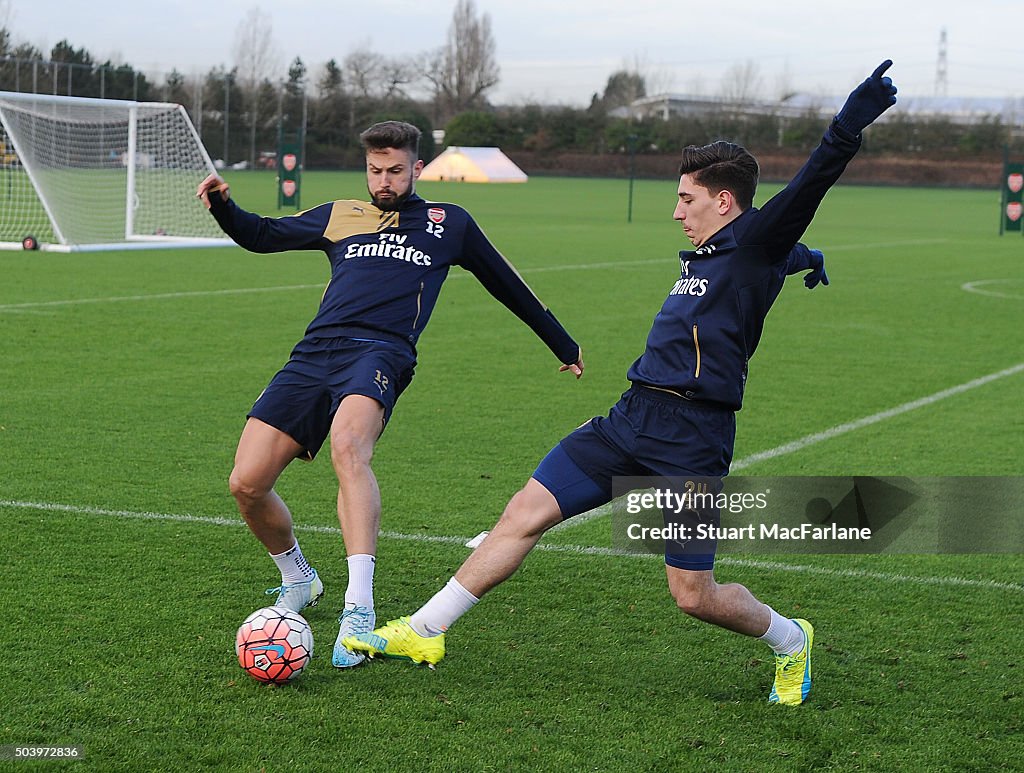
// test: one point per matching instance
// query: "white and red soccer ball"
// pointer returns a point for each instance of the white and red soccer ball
(274, 644)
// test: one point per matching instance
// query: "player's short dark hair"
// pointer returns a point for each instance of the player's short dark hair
(722, 166)
(392, 134)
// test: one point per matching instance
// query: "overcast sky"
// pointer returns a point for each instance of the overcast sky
(562, 51)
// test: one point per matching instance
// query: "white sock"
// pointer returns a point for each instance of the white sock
(784, 636)
(293, 565)
(360, 581)
(448, 605)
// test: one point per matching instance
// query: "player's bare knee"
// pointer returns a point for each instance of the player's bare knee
(244, 489)
(348, 452)
(524, 515)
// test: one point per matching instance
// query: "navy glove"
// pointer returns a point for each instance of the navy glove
(817, 273)
(868, 101)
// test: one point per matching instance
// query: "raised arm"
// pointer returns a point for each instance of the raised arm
(784, 218)
(303, 231)
(868, 101)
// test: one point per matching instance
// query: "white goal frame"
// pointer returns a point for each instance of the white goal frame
(101, 174)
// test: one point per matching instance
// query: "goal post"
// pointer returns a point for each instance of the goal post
(81, 174)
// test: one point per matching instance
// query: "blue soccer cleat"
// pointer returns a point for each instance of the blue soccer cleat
(296, 596)
(354, 621)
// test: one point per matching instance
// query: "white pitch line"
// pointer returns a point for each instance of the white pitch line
(155, 296)
(15, 307)
(319, 285)
(974, 287)
(855, 574)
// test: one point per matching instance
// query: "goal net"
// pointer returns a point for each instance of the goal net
(93, 174)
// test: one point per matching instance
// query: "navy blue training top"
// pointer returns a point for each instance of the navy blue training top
(387, 267)
(710, 324)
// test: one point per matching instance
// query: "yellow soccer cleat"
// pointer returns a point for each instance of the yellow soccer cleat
(793, 672)
(397, 639)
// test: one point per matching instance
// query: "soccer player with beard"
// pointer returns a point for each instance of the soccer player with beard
(677, 420)
(389, 257)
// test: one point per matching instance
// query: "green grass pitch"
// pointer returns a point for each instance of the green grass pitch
(125, 378)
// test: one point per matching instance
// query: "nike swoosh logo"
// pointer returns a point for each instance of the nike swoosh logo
(277, 648)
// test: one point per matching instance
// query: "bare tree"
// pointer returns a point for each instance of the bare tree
(741, 83)
(362, 71)
(395, 74)
(370, 75)
(465, 68)
(256, 61)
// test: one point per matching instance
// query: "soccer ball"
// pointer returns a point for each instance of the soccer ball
(274, 644)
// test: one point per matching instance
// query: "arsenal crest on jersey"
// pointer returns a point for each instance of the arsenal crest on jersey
(436, 215)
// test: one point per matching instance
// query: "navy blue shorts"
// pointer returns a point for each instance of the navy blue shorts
(304, 395)
(646, 434)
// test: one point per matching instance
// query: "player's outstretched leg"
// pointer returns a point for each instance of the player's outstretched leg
(296, 596)
(793, 672)
(420, 637)
(354, 621)
(397, 639)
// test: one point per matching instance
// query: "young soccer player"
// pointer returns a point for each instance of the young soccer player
(677, 420)
(389, 257)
